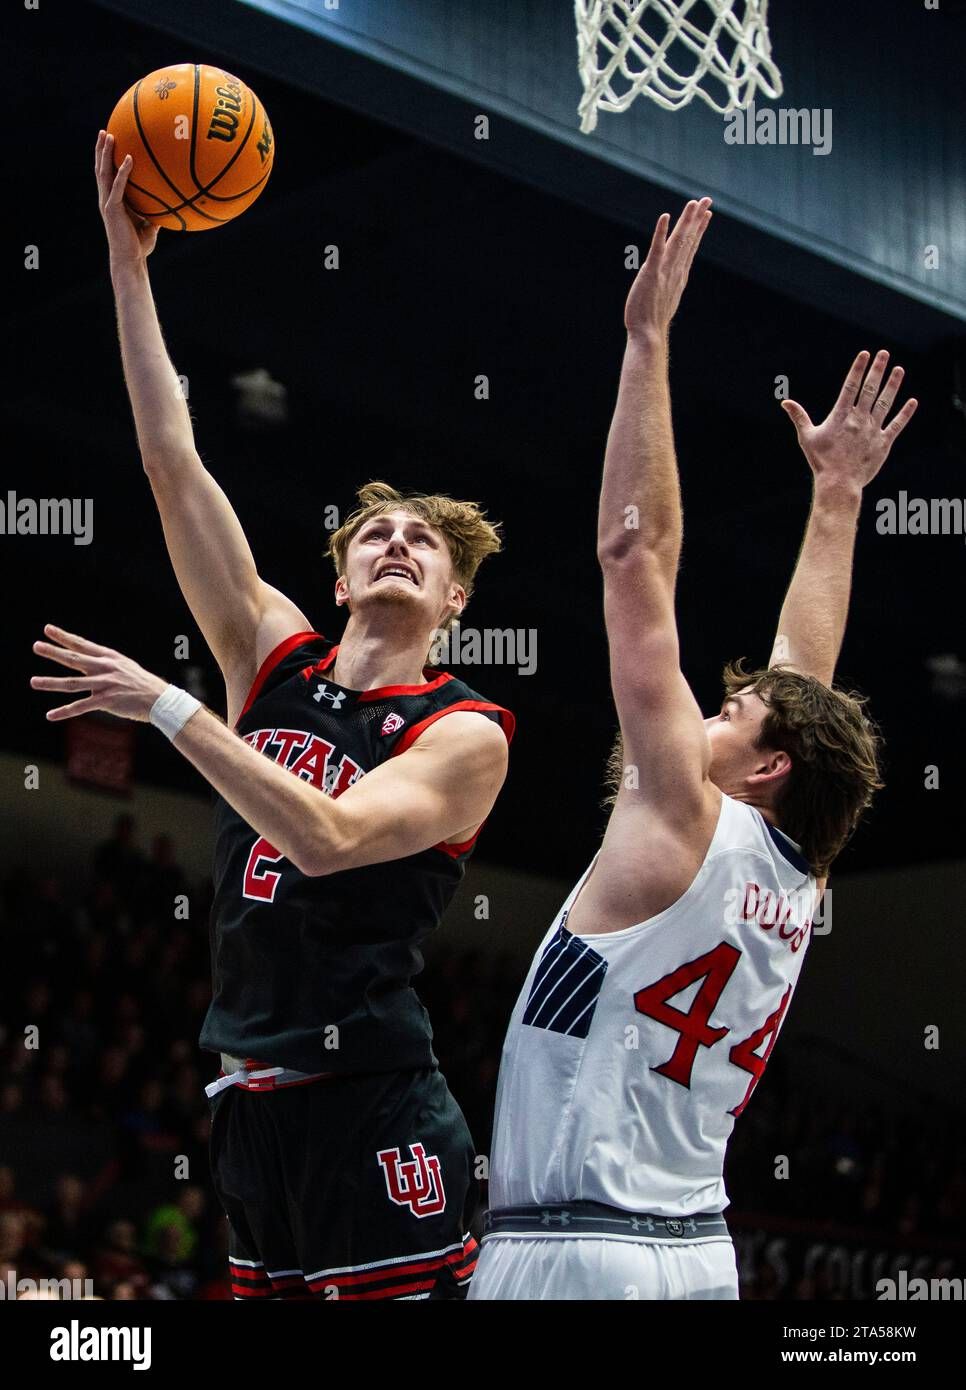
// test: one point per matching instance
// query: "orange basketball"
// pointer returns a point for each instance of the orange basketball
(201, 143)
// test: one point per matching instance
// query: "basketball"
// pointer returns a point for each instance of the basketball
(201, 145)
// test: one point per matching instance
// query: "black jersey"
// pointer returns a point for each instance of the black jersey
(314, 973)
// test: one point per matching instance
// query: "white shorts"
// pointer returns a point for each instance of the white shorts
(603, 1267)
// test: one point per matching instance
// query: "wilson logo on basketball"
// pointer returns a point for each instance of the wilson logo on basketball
(224, 117)
(264, 146)
(417, 1183)
(391, 723)
(202, 146)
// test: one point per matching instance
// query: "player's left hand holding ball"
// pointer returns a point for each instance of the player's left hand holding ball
(131, 239)
(117, 684)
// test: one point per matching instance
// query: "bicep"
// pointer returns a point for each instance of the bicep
(277, 618)
(666, 749)
(240, 617)
(447, 780)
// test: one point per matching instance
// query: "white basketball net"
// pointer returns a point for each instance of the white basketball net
(627, 46)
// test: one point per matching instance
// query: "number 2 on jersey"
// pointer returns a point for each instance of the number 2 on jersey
(260, 883)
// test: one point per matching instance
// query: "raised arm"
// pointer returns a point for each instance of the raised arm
(639, 537)
(242, 618)
(844, 452)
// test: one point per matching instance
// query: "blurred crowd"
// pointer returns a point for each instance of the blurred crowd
(104, 1170)
(898, 1175)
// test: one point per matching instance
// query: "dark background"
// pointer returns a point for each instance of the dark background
(447, 271)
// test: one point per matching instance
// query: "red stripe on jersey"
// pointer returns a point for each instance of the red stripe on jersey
(471, 1255)
(507, 724)
(454, 851)
(381, 692)
(241, 1272)
(471, 1252)
(276, 655)
(272, 1083)
(388, 1293)
(388, 1272)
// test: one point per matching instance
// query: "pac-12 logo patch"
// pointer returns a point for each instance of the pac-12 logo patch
(391, 723)
(417, 1183)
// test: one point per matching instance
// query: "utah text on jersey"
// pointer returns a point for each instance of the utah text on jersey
(308, 756)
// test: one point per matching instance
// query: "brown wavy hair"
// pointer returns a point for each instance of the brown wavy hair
(470, 538)
(834, 747)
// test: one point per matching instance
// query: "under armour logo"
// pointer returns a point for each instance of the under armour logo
(560, 1218)
(637, 1223)
(417, 1183)
(323, 693)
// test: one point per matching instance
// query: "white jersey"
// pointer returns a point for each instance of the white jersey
(630, 1054)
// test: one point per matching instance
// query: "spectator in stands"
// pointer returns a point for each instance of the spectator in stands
(79, 1029)
(11, 1098)
(117, 1262)
(68, 1225)
(119, 862)
(165, 879)
(8, 1199)
(182, 1216)
(119, 1005)
(13, 1238)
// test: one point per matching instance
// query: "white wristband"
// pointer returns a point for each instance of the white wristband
(172, 710)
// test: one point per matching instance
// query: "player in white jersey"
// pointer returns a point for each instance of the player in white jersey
(655, 999)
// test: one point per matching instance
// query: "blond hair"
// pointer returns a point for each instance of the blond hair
(469, 537)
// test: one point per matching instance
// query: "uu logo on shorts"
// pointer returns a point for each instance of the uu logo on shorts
(417, 1183)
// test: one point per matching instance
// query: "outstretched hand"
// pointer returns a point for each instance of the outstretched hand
(657, 289)
(129, 237)
(853, 441)
(117, 684)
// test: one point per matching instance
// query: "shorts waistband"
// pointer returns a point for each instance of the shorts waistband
(597, 1219)
(251, 1075)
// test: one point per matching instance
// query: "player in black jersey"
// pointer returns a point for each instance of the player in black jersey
(352, 781)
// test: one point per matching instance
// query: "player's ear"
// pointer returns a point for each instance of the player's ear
(775, 764)
(457, 600)
(341, 591)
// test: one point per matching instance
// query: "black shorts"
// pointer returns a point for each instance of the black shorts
(350, 1187)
